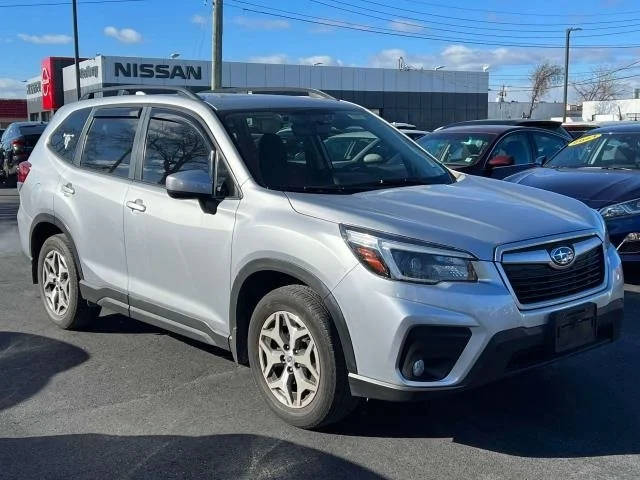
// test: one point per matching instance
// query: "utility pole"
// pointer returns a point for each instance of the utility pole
(75, 41)
(566, 71)
(216, 46)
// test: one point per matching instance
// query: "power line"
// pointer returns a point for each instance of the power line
(502, 12)
(55, 4)
(493, 22)
(381, 31)
(492, 29)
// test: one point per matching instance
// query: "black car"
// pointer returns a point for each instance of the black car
(492, 150)
(16, 144)
(550, 125)
(602, 169)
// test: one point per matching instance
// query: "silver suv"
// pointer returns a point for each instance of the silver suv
(335, 269)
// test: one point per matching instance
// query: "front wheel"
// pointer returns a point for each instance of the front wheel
(296, 359)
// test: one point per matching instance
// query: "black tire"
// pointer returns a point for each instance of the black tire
(333, 400)
(79, 313)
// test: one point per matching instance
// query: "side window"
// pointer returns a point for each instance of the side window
(174, 143)
(547, 145)
(516, 146)
(65, 138)
(110, 141)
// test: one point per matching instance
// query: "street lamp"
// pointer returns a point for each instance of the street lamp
(174, 55)
(566, 70)
(439, 67)
(317, 64)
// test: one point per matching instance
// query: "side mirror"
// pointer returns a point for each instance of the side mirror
(501, 161)
(189, 184)
(541, 160)
(373, 158)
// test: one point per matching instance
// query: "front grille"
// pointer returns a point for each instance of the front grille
(535, 283)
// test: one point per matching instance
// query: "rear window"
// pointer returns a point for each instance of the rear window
(65, 138)
(31, 134)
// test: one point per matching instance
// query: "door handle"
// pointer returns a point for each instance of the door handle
(137, 205)
(68, 189)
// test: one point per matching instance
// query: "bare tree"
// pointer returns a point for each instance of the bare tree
(543, 77)
(603, 85)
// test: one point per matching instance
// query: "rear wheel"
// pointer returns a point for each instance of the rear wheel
(59, 285)
(296, 358)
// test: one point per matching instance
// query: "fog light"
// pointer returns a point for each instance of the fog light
(418, 368)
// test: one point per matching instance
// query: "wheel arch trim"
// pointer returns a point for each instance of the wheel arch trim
(291, 269)
(48, 218)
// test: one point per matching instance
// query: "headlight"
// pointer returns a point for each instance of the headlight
(400, 259)
(631, 207)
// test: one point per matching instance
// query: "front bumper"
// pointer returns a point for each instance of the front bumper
(504, 339)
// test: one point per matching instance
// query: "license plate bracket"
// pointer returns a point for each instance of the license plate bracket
(574, 327)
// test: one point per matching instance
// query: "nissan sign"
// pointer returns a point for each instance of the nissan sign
(149, 70)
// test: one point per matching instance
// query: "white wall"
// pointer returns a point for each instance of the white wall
(514, 110)
(611, 110)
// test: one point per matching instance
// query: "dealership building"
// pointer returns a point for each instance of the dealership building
(425, 98)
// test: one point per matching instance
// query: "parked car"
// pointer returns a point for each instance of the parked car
(601, 169)
(577, 129)
(16, 145)
(552, 125)
(409, 130)
(388, 278)
(492, 150)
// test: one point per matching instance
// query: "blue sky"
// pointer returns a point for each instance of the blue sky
(463, 34)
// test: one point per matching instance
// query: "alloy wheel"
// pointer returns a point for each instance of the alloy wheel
(289, 359)
(56, 282)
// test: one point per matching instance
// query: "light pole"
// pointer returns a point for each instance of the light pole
(566, 71)
(173, 56)
(439, 67)
(75, 42)
(216, 54)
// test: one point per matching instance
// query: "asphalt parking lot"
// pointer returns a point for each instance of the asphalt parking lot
(127, 400)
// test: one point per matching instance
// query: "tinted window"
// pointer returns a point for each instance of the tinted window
(325, 151)
(456, 148)
(547, 145)
(174, 143)
(515, 146)
(110, 142)
(65, 138)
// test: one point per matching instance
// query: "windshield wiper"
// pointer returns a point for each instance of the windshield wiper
(395, 182)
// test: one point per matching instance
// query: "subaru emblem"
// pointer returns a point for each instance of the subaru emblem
(562, 256)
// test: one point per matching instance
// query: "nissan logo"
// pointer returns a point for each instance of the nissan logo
(562, 256)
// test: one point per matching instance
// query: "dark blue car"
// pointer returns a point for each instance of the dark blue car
(602, 169)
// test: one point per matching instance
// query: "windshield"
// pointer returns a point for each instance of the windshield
(319, 151)
(456, 148)
(615, 150)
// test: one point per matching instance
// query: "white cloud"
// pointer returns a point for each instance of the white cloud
(47, 39)
(253, 23)
(325, 60)
(275, 58)
(10, 88)
(123, 35)
(199, 20)
(406, 26)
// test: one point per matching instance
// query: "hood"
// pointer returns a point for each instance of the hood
(595, 187)
(474, 214)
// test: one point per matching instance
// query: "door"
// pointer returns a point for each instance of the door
(178, 251)
(91, 194)
(510, 155)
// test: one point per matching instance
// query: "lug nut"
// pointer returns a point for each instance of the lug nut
(289, 369)
(297, 365)
(286, 347)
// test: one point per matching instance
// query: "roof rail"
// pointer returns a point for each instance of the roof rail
(294, 91)
(144, 89)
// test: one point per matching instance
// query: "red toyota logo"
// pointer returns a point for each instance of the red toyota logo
(46, 82)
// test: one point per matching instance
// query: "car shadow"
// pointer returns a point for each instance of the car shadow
(28, 362)
(587, 405)
(93, 456)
